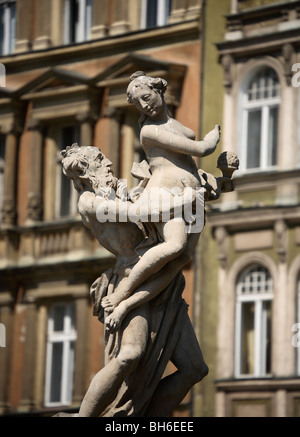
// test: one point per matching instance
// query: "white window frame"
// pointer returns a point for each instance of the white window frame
(66, 337)
(9, 31)
(59, 176)
(265, 105)
(258, 298)
(84, 24)
(161, 16)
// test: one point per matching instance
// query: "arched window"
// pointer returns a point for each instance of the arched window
(259, 125)
(254, 294)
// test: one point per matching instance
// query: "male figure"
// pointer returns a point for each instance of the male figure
(134, 341)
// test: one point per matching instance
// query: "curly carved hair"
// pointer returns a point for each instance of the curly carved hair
(87, 163)
(139, 79)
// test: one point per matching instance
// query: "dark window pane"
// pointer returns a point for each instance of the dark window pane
(65, 193)
(12, 27)
(247, 349)
(70, 371)
(254, 139)
(267, 309)
(273, 129)
(151, 18)
(58, 314)
(56, 372)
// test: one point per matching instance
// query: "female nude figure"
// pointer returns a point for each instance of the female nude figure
(169, 147)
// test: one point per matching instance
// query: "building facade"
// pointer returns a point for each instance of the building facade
(254, 231)
(67, 65)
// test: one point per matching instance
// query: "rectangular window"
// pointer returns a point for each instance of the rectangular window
(7, 27)
(78, 16)
(155, 13)
(66, 195)
(260, 101)
(253, 349)
(2, 165)
(253, 323)
(60, 354)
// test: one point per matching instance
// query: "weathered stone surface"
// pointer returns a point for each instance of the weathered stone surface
(152, 231)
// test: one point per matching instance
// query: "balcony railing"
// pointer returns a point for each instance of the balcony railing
(47, 243)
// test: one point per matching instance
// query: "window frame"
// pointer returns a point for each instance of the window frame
(9, 28)
(66, 337)
(82, 28)
(264, 105)
(162, 14)
(260, 324)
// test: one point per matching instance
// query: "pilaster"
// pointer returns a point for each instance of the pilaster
(81, 352)
(24, 21)
(27, 397)
(34, 205)
(120, 23)
(86, 120)
(100, 19)
(178, 11)
(114, 115)
(42, 38)
(9, 211)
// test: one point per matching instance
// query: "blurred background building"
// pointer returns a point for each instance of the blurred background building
(231, 62)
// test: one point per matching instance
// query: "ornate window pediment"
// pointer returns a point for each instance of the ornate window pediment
(58, 93)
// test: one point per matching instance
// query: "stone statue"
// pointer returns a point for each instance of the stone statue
(152, 230)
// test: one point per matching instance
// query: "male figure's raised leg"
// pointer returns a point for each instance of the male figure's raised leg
(191, 368)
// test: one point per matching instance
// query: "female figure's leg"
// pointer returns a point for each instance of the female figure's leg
(175, 241)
